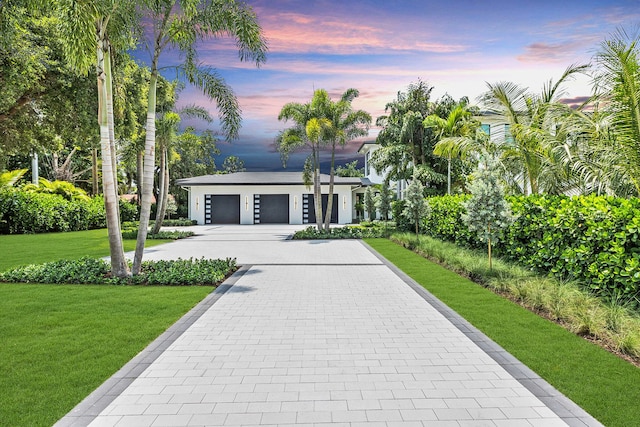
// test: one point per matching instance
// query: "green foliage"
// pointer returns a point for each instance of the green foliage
(370, 203)
(9, 178)
(62, 188)
(29, 212)
(594, 240)
(44, 211)
(383, 201)
(349, 232)
(96, 271)
(415, 205)
(350, 169)
(161, 235)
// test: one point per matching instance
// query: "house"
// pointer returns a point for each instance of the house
(266, 198)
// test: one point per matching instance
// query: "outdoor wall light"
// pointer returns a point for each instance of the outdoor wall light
(295, 203)
(344, 202)
(246, 203)
(197, 203)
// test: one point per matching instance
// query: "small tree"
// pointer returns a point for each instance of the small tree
(416, 206)
(487, 210)
(370, 203)
(383, 201)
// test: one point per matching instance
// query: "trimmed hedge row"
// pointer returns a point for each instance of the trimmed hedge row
(594, 240)
(32, 212)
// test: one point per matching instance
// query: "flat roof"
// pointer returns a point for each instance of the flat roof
(261, 178)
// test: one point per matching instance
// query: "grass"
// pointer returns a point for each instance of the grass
(22, 249)
(60, 342)
(601, 383)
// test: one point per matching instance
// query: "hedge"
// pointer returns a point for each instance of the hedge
(32, 212)
(594, 240)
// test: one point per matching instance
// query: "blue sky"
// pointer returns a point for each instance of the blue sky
(380, 47)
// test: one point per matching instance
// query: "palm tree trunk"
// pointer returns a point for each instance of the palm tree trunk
(119, 267)
(110, 118)
(317, 188)
(449, 175)
(161, 203)
(94, 172)
(327, 215)
(148, 168)
(139, 175)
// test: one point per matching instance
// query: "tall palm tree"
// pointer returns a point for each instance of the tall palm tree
(346, 124)
(183, 23)
(91, 28)
(309, 124)
(456, 134)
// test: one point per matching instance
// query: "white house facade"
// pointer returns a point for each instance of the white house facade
(265, 198)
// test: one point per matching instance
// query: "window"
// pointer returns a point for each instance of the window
(367, 168)
(486, 128)
(508, 137)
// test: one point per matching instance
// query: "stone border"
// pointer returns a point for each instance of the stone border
(561, 405)
(90, 407)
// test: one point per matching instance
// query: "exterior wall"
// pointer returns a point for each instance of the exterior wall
(370, 172)
(197, 193)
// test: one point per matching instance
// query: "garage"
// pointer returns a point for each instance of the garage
(222, 209)
(309, 210)
(271, 209)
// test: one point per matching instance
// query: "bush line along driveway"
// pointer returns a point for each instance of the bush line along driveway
(601, 383)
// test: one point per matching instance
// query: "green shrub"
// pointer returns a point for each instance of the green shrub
(592, 240)
(348, 232)
(161, 235)
(129, 211)
(96, 271)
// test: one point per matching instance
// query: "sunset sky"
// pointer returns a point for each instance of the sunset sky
(380, 47)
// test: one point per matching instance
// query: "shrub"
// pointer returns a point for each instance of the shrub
(132, 234)
(349, 232)
(592, 240)
(96, 271)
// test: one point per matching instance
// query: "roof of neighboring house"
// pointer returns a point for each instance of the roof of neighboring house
(261, 178)
(367, 144)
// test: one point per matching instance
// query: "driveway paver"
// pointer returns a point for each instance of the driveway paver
(318, 333)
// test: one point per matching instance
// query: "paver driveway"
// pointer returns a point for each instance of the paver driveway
(319, 333)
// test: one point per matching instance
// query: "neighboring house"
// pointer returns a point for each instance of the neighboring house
(266, 198)
(373, 175)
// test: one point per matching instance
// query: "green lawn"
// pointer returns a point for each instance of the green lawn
(60, 342)
(601, 383)
(22, 249)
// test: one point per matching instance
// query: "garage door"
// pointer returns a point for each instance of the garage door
(309, 209)
(222, 209)
(271, 209)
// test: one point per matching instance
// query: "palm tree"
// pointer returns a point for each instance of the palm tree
(91, 27)
(182, 23)
(456, 134)
(346, 124)
(167, 136)
(309, 124)
(406, 147)
(617, 82)
(532, 125)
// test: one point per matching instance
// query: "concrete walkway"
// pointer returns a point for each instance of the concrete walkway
(316, 333)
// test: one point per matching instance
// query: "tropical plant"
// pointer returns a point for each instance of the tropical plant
(406, 147)
(9, 178)
(346, 124)
(531, 129)
(309, 124)
(617, 83)
(91, 29)
(181, 24)
(456, 134)
(350, 169)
